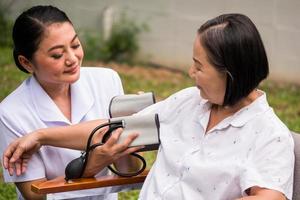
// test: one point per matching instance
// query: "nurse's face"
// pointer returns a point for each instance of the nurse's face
(212, 83)
(58, 57)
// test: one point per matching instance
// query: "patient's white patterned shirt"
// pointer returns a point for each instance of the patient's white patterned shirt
(251, 148)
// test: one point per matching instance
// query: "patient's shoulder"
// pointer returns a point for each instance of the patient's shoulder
(189, 95)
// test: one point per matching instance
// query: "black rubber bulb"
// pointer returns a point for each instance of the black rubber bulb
(75, 168)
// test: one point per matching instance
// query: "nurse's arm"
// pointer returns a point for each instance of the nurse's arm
(25, 189)
(18, 153)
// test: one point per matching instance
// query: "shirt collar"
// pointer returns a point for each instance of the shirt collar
(81, 102)
(260, 105)
(240, 118)
(204, 105)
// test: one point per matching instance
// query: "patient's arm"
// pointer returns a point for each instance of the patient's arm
(73, 137)
(18, 153)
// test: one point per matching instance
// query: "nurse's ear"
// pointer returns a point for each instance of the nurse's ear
(25, 63)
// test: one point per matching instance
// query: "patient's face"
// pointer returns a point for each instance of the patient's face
(212, 83)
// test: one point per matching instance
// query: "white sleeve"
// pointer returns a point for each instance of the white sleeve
(35, 169)
(118, 83)
(166, 108)
(272, 163)
(161, 108)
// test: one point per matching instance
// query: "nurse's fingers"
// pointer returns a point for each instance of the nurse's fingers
(117, 150)
(99, 135)
(118, 147)
(131, 150)
(126, 143)
(112, 140)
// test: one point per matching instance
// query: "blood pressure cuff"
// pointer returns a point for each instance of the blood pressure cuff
(146, 125)
(125, 105)
(121, 109)
(148, 128)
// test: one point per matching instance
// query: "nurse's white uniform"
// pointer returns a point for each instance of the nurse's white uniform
(29, 108)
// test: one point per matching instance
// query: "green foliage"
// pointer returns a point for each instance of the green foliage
(7, 191)
(5, 37)
(285, 99)
(92, 46)
(10, 78)
(121, 46)
(6, 56)
(131, 195)
(5, 28)
(161, 88)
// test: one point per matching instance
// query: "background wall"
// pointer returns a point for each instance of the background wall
(173, 24)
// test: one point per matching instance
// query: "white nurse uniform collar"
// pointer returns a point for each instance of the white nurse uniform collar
(81, 102)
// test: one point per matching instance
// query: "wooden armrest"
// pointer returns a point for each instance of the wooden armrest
(59, 184)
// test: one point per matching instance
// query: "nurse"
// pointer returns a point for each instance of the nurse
(220, 140)
(58, 92)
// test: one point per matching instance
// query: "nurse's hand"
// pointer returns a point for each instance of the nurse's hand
(109, 152)
(259, 193)
(18, 153)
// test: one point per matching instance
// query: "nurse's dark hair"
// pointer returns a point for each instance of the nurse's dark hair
(29, 28)
(234, 46)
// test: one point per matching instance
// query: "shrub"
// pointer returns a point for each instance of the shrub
(5, 27)
(122, 44)
(5, 36)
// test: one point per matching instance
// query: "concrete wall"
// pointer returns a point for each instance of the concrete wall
(173, 24)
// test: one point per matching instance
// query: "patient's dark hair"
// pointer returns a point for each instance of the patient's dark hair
(234, 46)
(29, 28)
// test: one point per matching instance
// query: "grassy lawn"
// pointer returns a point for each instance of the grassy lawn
(284, 98)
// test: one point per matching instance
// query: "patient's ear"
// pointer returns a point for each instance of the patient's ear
(25, 63)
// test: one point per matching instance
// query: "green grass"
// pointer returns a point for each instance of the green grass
(5, 56)
(161, 88)
(7, 191)
(11, 77)
(284, 98)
